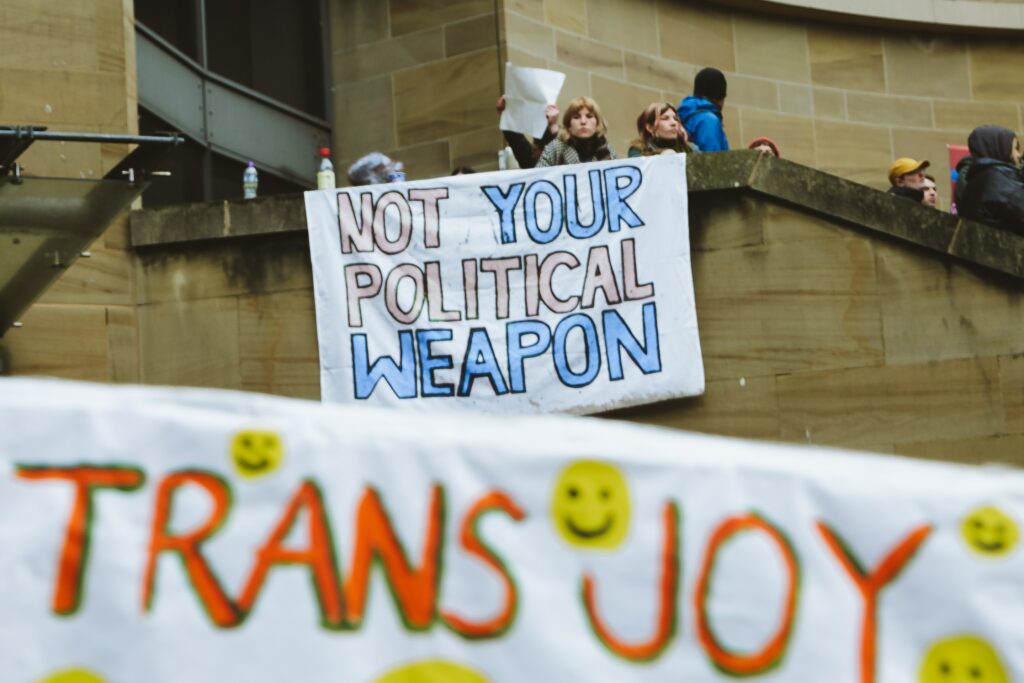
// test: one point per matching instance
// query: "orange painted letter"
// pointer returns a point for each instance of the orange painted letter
(74, 556)
(318, 556)
(215, 601)
(740, 664)
(869, 585)
(471, 543)
(669, 591)
(415, 590)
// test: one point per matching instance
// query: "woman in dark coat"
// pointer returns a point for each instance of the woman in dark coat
(990, 187)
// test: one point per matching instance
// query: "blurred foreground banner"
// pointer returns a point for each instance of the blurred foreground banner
(159, 536)
(561, 289)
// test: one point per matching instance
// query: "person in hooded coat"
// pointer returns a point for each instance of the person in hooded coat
(990, 186)
(701, 113)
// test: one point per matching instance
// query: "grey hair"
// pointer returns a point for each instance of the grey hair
(372, 169)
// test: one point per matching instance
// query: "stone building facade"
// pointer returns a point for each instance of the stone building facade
(814, 327)
(844, 87)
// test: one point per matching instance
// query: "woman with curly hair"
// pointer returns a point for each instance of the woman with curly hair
(660, 131)
(582, 138)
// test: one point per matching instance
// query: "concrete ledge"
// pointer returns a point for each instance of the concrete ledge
(844, 201)
(217, 220)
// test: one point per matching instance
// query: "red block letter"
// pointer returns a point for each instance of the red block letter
(74, 556)
(318, 556)
(871, 584)
(739, 664)
(669, 590)
(470, 539)
(215, 601)
(414, 589)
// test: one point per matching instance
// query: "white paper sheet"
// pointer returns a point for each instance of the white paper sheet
(528, 92)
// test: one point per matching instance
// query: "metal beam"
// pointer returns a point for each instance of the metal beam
(225, 116)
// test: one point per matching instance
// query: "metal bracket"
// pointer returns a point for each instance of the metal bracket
(13, 143)
(140, 164)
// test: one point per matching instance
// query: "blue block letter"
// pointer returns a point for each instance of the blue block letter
(618, 209)
(505, 204)
(548, 189)
(430, 363)
(572, 218)
(400, 377)
(517, 353)
(617, 336)
(565, 372)
(480, 362)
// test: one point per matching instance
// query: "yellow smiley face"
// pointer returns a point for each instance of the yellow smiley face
(73, 676)
(989, 531)
(432, 671)
(256, 453)
(590, 505)
(964, 659)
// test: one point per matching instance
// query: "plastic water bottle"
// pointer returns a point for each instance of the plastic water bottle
(250, 181)
(325, 176)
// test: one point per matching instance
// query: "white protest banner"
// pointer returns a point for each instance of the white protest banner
(528, 92)
(558, 289)
(158, 536)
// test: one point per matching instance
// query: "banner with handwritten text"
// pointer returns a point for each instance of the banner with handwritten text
(157, 535)
(560, 289)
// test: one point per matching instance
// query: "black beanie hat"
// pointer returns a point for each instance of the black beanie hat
(710, 84)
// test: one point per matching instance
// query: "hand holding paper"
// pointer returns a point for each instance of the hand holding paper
(528, 92)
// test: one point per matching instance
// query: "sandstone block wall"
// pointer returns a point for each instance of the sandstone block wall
(844, 99)
(70, 65)
(416, 79)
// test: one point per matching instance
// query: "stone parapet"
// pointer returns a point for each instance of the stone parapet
(834, 198)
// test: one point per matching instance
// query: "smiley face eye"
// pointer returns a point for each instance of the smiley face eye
(944, 668)
(268, 442)
(975, 672)
(574, 492)
(978, 524)
(247, 442)
(606, 494)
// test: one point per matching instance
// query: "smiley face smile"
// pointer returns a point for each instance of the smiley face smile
(589, 533)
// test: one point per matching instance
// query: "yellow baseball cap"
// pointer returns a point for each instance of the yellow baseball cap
(904, 166)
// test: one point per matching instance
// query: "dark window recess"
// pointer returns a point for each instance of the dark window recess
(185, 162)
(271, 46)
(172, 20)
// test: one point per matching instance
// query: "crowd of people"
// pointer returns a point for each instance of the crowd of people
(989, 187)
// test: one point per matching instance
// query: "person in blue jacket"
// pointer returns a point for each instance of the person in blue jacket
(701, 113)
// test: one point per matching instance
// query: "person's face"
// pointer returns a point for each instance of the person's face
(1015, 152)
(763, 148)
(914, 180)
(583, 124)
(666, 126)
(931, 194)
